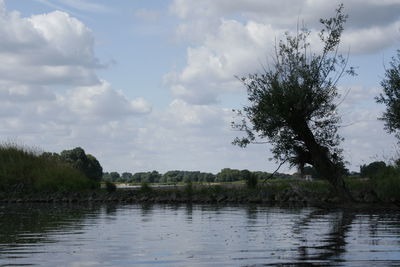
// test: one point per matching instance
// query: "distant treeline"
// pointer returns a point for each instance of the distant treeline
(225, 175)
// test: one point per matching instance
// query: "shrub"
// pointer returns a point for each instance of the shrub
(25, 169)
(110, 187)
(251, 180)
(86, 163)
(189, 188)
(387, 184)
(145, 188)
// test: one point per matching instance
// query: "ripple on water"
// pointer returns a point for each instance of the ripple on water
(200, 235)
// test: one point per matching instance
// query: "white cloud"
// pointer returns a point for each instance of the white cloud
(230, 38)
(104, 102)
(237, 49)
(50, 94)
(236, 38)
(46, 49)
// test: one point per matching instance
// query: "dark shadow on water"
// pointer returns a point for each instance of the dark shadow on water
(330, 247)
(21, 225)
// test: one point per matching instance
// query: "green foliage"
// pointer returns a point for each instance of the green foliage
(372, 169)
(88, 164)
(250, 178)
(147, 177)
(391, 96)
(229, 175)
(387, 184)
(293, 103)
(189, 188)
(176, 176)
(27, 169)
(110, 187)
(127, 177)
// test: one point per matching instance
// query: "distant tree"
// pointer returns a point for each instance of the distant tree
(263, 175)
(391, 96)
(127, 176)
(228, 175)
(372, 169)
(88, 164)
(397, 163)
(250, 178)
(155, 177)
(106, 176)
(93, 168)
(115, 176)
(293, 103)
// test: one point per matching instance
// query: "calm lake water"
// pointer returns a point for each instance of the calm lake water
(198, 235)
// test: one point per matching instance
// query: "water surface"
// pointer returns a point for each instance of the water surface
(198, 235)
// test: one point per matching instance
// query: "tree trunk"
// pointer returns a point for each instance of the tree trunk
(323, 164)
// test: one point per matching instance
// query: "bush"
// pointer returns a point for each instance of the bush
(251, 180)
(387, 184)
(145, 188)
(110, 187)
(27, 169)
(189, 188)
(86, 163)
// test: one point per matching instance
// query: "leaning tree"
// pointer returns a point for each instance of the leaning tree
(293, 102)
(391, 97)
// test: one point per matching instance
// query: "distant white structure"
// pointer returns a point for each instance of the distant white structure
(308, 177)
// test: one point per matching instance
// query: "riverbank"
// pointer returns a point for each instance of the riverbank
(280, 192)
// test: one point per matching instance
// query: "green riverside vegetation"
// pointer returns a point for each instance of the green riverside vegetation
(26, 169)
(25, 174)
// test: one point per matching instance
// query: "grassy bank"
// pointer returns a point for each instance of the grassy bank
(277, 192)
(27, 175)
(24, 169)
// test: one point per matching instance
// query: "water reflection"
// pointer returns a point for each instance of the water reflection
(332, 244)
(24, 229)
(195, 235)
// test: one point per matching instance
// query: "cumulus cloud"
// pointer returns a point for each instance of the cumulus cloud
(46, 49)
(236, 38)
(50, 94)
(104, 102)
(237, 49)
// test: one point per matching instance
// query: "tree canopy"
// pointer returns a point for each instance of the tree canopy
(87, 163)
(292, 103)
(391, 96)
(372, 169)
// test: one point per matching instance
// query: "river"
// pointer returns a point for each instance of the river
(198, 235)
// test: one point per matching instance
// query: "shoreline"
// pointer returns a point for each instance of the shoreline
(291, 195)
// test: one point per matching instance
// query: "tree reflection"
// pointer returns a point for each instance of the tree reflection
(23, 224)
(333, 244)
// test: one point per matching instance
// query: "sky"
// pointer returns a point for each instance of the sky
(150, 85)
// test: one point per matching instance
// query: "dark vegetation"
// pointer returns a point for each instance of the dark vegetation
(27, 175)
(24, 169)
(175, 177)
(391, 97)
(380, 190)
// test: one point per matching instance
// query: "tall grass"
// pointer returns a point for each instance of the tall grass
(387, 184)
(23, 168)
